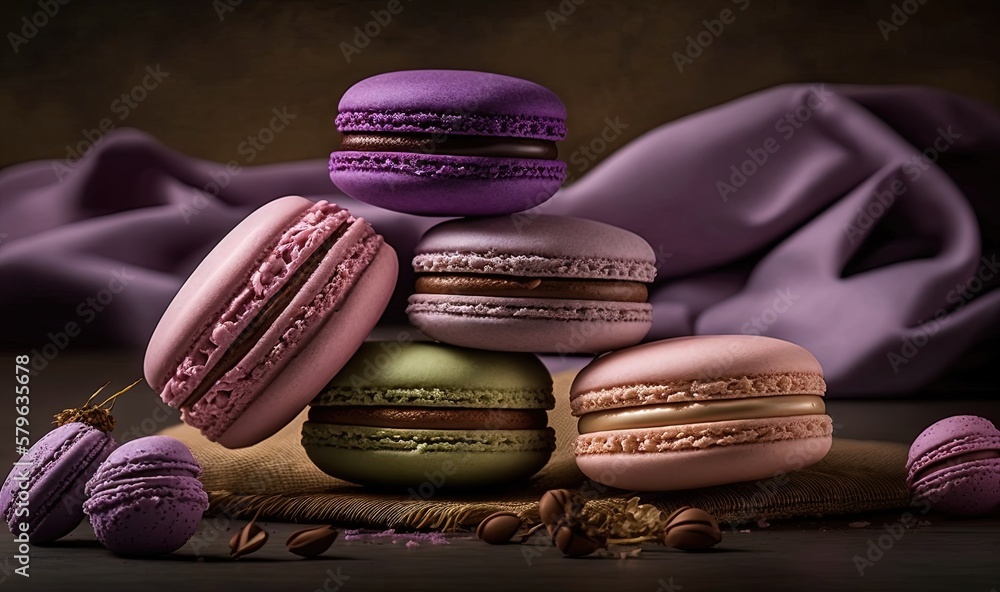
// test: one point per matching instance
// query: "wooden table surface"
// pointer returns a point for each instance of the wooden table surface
(947, 554)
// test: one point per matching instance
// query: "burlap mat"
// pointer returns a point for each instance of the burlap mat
(278, 479)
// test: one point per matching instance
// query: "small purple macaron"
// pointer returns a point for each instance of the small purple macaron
(146, 499)
(449, 142)
(43, 495)
(955, 466)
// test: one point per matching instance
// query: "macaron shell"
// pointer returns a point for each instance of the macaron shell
(137, 456)
(704, 436)
(445, 185)
(212, 284)
(61, 463)
(690, 469)
(143, 482)
(950, 437)
(401, 469)
(148, 469)
(319, 298)
(967, 489)
(384, 456)
(535, 245)
(147, 521)
(311, 367)
(734, 361)
(452, 101)
(419, 374)
(530, 324)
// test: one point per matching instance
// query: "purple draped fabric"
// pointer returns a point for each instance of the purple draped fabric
(855, 221)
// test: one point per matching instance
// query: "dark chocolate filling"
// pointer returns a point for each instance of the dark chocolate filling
(452, 145)
(522, 287)
(253, 332)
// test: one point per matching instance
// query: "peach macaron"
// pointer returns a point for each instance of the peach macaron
(699, 411)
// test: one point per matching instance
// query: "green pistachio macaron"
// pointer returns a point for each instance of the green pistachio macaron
(428, 416)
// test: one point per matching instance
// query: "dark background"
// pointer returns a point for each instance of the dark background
(606, 59)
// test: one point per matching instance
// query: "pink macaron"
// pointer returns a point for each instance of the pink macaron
(533, 283)
(699, 411)
(269, 316)
(955, 466)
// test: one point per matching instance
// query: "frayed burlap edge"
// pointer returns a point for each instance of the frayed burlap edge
(835, 486)
(276, 478)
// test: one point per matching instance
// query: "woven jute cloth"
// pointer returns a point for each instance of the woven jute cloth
(277, 479)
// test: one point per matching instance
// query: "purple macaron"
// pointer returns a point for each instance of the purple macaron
(532, 283)
(449, 142)
(146, 499)
(44, 493)
(955, 466)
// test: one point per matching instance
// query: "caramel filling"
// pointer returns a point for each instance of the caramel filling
(454, 145)
(672, 414)
(516, 287)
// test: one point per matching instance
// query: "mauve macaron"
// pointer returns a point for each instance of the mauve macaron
(698, 411)
(955, 466)
(44, 492)
(533, 283)
(449, 142)
(269, 316)
(146, 499)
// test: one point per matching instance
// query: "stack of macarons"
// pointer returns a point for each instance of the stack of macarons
(457, 143)
(277, 314)
(480, 147)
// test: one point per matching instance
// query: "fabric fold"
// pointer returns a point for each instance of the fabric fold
(855, 221)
